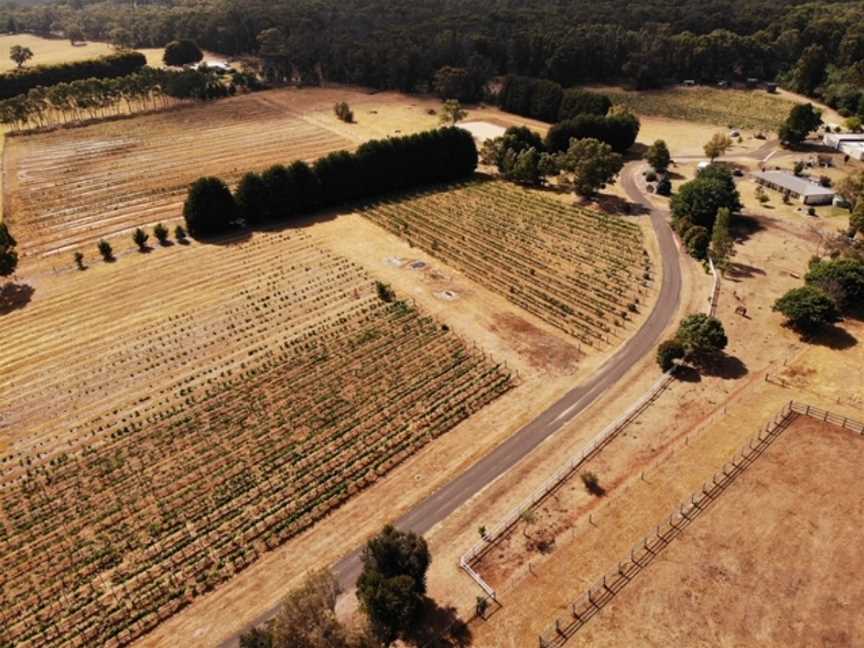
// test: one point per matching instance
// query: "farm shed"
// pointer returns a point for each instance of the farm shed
(852, 144)
(807, 191)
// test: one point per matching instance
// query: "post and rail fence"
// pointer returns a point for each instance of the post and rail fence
(646, 549)
(568, 469)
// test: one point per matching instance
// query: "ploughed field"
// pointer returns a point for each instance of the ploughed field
(71, 187)
(585, 272)
(167, 435)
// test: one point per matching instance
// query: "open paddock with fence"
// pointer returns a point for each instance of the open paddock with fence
(769, 537)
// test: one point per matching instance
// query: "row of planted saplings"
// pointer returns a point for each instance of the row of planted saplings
(493, 274)
(432, 230)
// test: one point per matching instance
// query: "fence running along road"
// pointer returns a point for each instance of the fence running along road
(565, 472)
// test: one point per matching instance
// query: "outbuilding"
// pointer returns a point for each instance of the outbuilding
(851, 144)
(803, 189)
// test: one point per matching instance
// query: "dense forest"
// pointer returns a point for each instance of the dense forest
(812, 47)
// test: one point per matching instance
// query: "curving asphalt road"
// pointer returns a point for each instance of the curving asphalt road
(441, 503)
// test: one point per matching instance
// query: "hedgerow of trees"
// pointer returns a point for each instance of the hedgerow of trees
(548, 101)
(72, 102)
(618, 130)
(8, 255)
(106, 67)
(375, 168)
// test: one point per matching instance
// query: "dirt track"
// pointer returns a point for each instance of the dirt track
(446, 500)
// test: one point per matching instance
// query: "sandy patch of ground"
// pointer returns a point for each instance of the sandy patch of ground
(482, 130)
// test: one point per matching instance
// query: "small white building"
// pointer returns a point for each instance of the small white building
(851, 144)
(803, 189)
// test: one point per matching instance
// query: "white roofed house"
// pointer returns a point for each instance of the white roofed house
(799, 188)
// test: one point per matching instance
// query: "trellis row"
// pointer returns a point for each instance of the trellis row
(170, 496)
(77, 186)
(579, 270)
(167, 346)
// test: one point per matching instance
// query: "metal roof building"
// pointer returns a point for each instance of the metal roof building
(803, 189)
(852, 144)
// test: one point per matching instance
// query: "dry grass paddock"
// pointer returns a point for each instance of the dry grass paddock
(772, 562)
(750, 109)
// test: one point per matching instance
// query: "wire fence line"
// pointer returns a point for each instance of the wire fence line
(490, 537)
(557, 479)
(649, 547)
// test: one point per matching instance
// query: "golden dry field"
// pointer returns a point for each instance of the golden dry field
(49, 51)
(175, 421)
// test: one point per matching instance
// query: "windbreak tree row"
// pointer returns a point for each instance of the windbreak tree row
(106, 67)
(377, 167)
(150, 88)
(548, 101)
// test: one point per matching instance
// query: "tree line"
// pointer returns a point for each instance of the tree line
(810, 44)
(549, 101)
(375, 168)
(21, 81)
(147, 89)
(583, 153)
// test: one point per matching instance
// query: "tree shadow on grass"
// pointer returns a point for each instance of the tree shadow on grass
(635, 152)
(440, 627)
(739, 271)
(14, 296)
(688, 374)
(725, 366)
(834, 338)
(232, 237)
(745, 227)
(617, 205)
